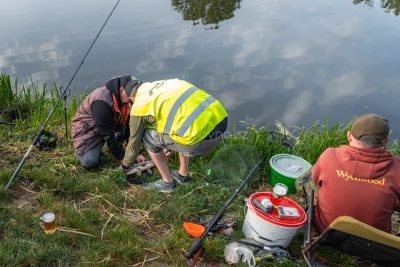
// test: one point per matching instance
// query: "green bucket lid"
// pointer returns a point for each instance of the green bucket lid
(289, 165)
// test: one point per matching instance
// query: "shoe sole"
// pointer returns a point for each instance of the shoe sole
(159, 190)
(179, 181)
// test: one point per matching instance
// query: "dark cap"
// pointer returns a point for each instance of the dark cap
(134, 82)
(372, 125)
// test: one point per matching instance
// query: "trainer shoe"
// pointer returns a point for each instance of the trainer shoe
(178, 178)
(160, 186)
(134, 179)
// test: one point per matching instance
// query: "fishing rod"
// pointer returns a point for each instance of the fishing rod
(36, 139)
(196, 246)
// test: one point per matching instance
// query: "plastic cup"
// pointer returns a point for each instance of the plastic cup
(278, 193)
(49, 222)
(194, 229)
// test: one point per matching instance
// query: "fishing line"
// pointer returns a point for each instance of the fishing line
(24, 159)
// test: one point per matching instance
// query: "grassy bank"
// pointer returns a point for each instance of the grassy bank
(104, 221)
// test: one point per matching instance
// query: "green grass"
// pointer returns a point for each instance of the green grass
(103, 220)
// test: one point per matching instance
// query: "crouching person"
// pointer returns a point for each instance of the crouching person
(173, 114)
(102, 114)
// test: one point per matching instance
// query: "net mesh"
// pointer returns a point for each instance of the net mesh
(231, 164)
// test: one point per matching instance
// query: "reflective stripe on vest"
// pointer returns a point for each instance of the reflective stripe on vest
(193, 116)
(183, 111)
(176, 106)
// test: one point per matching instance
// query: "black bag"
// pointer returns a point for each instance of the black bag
(46, 141)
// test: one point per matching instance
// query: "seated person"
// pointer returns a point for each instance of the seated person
(361, 180)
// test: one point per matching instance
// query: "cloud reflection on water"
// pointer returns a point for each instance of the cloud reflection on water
(294, 61)
(41, 60)
(315, 66)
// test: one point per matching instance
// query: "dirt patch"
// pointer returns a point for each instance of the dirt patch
(24, 197)
(155, 231)
(9, 155)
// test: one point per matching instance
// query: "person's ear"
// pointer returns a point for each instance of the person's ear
(349, 136)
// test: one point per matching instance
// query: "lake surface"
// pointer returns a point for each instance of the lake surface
(265, 60)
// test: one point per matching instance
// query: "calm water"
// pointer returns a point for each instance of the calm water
(266, 60)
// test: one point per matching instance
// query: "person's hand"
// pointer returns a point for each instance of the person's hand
(140, 158)
(122, 166)
(116, 165)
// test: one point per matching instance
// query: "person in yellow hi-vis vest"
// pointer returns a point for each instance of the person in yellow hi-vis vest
(175, 115)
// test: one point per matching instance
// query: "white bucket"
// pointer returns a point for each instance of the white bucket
(269, 229)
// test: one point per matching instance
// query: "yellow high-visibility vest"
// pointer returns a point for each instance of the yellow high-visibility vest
(184, 112)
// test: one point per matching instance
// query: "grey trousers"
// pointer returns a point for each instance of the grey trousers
(156, 141)
(91, 158)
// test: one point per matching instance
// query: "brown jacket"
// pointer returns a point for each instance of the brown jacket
(84, 132)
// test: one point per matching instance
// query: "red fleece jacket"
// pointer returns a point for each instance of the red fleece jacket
(361, 183)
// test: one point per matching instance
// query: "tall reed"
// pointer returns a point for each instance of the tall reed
(30, 104)
(33, 104)
(6, 94)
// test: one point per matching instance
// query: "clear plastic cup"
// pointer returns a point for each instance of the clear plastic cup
(49, 222)
(278, 193)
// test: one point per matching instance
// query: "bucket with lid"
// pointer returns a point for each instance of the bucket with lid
(269, 228)
(286, 168)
